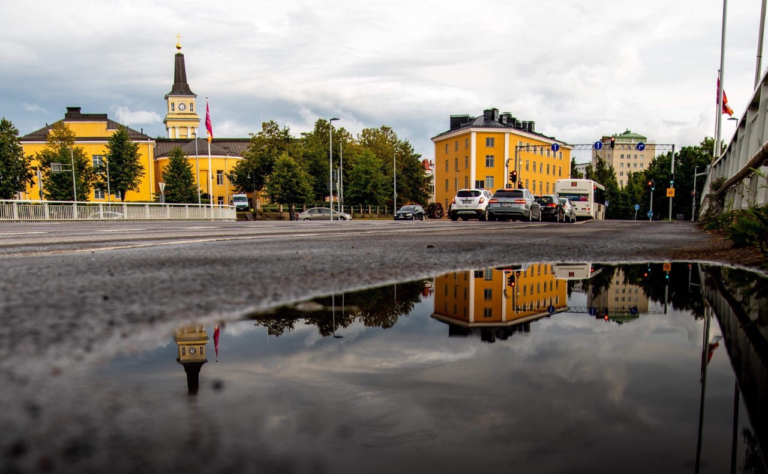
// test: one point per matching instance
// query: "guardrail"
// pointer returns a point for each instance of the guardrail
(87, 211)
(746, 151)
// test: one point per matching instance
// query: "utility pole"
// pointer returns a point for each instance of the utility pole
(394, 175)
(758, 67)
(722, 84)
(672, 182)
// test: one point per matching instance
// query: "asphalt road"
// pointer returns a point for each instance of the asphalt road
(75, 294)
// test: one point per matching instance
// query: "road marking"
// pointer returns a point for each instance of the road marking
(22, 233)
(119, 230)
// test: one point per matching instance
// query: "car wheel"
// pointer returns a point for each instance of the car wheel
(454, 217)
(483, 217)
(490, 217)
(465, 219)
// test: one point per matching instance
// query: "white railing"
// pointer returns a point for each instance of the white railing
(87, 211)
(744, 189)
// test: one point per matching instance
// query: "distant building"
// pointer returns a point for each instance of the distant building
(624, 157)
(582, 168)
(429, 169)
(479, 152)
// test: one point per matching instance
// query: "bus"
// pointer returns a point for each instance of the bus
(587, 197)
(575, 271)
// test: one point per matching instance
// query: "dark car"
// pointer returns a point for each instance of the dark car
(569, 215)
(410, 213)
(551, 208)
(513, 204)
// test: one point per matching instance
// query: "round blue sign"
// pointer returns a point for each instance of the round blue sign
(633, 310)
(593, 311)
(555, 147)
(640, 146)
(598, 145)
(551, 309)
(637, 206)
(650, 214)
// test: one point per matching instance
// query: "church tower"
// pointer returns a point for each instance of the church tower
(191, 343)
(181, 118)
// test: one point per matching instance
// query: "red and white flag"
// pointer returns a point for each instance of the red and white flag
(216, 333)
(208, 125)
(726, 109)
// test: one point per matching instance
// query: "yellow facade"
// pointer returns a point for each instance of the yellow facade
(486, 297)
(219, 187)
(483, 155)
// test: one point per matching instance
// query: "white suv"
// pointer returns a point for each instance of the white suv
(469, 203)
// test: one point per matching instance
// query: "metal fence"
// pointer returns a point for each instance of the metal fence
(743, 188)
(356, 210)
(86, 211)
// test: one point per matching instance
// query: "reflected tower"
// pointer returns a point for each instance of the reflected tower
(191, 342)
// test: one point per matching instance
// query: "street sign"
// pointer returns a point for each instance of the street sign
(606, 203)
(551, 309)
(633, 310)
(670, 192)
(162, 187)
(667, 267)
(640, 146)
(650, 214)
(593, 311)
(637, 207)
(555, 147)
(598, 145)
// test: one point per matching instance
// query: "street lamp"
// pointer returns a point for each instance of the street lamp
(254, 192)
(330, 165)
(74, 184)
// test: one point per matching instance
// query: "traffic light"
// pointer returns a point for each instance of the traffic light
(511, 281)
(613, 142)
(652, 185)
(517, 273)
(513, 176)
(520, 184)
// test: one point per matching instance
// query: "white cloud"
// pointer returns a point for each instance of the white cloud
(34, 108)
(133, 117)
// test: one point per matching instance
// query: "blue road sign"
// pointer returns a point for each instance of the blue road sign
(593, 311)
(551, 309)
(637, 206)
(650, 214)
(606, 203)
(640, 146)
(633, 310)
(598, 145)
(555, 147)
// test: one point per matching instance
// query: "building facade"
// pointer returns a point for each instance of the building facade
(624, 156)
(479, 152)
(93, 131)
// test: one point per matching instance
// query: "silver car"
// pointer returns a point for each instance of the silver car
(515, 204)
(323, 214)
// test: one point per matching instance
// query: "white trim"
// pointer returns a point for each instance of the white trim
(192, 157)
(106, 140)
(511, 131)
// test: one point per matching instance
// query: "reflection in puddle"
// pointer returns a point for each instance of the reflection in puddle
(610, 368)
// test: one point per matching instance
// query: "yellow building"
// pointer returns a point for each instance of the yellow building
(620, 296)
(191, 343)
(479, 152)
(497, 298)
(92, 133)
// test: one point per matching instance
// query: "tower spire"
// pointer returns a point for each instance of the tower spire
(178, 42)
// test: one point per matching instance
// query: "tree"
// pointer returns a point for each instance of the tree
(179, 180)
(575, 173)
(366, 184)
(61, 149)
(288, 183)
(122, 161)
(15, 170)
(252, 173)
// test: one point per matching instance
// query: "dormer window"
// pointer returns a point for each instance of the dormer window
(191, 106)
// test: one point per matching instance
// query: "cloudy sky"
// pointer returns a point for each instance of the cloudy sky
(579, 69)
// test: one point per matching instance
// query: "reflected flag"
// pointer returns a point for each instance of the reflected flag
(216, 341)
(208, 125)
(726, 109)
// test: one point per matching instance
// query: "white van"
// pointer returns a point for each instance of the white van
(240, 201)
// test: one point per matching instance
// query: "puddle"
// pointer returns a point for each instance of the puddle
(543, 368)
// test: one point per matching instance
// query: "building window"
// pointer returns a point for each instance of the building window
(456, 146)
(466, 181)
(479, 184)
(488, 274)
(98, 160)
(541, 186)
(173, 107)
(221, 200)
(489, 161)
(526, 184)
(621, 165)
(541, 167)
(446, 166)
(621, 173)
(478, 274)
(456, 183)
(98, 193)
(191, 106)
(446, 148)
(219, 177)
(547, 168)
(446, 185)
(466, 143)
(560, 171)
(635, 165)
(534, 166)
(534, 186)
(466, 162)
(547, 188)
(487, 312)
(489, 182)
(561, 155)
(488, 294)
(456, 163)
(489, 142)
(527, 163)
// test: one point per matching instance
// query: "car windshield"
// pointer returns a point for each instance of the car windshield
(240, 199)
(466, 194)
(545, 199)
(508, 194)
(563, 201)
(408, 208)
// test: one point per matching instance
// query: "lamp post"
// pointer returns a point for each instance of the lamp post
(330, 165)
(254, 192)
(394, 176)
(197, 165)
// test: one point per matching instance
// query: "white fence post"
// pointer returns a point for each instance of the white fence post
(15, 206)
(46, 212)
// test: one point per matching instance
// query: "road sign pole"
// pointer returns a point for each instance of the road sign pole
(650, 213)
(672, 182)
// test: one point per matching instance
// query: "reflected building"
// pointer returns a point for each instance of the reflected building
(620, 297)
(497, 301)
(191, 343)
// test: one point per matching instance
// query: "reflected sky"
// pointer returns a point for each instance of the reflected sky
(546, 391)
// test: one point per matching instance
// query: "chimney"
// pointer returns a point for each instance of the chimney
(73, 113)
(505, 118)
(488, 114)
(532, 127)
(458, 120)
(495, 115)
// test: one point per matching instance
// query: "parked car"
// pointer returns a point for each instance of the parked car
(410, 213)
(513, 204)
(240, 201)
(322, 214)
(550, 207)
(569, 214)
(469, 203)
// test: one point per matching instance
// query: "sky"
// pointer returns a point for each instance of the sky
(578, 69)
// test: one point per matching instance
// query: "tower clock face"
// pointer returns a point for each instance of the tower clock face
(182, 107)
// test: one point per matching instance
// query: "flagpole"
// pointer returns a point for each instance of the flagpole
(209, 132)
(722, 84)
(717, 110)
